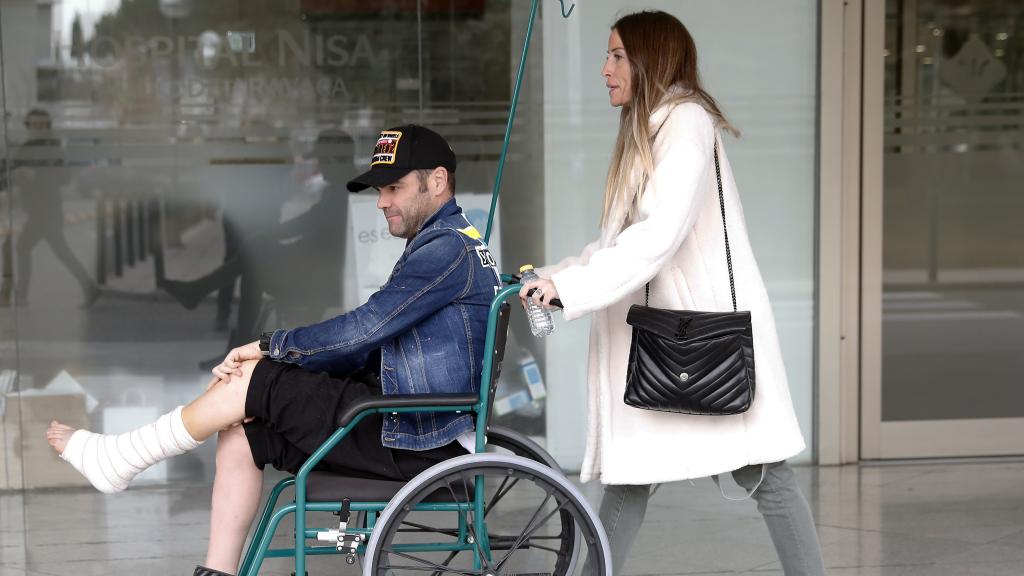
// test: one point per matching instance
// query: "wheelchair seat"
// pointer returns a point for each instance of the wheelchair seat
(331, 487)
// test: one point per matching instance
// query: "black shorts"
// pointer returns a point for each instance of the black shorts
(296, 410)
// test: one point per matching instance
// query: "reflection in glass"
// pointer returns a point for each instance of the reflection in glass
(953, 310)
(37, 177)
(186, 191)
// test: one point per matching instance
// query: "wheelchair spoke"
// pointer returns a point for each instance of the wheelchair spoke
(423, 528)
(532, 526)
(465, 489)
(538, 524)
(498, 495)
(451, 556)
(500, 539)
(519, 540)
(469, 520)
(432, 565)
(506, 542)
(548, 548)
(426, 569)
(403, 567)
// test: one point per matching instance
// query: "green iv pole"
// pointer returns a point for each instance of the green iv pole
(512, 111)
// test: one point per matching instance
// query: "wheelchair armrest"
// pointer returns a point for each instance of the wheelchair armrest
(405, 401)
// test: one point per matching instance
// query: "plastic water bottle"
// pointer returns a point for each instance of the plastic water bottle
(541, 323)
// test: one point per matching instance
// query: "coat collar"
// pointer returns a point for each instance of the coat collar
(669, 101)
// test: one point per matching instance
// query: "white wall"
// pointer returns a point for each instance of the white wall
(759, 59)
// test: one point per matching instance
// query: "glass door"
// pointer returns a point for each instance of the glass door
(948, 376)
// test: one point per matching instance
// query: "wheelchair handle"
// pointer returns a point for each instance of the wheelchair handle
(555, 302)
(516, 279)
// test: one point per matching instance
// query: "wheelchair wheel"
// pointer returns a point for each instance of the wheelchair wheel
(525, 507)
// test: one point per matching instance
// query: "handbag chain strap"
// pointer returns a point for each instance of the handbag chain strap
(725, 229)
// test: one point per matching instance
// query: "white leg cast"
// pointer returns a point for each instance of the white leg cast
(111, 461)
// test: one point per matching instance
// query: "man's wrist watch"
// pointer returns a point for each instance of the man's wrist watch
(265, 343)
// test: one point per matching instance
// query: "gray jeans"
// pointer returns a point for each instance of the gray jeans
(778, 499)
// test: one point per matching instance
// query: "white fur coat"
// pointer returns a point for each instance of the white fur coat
(677, 244)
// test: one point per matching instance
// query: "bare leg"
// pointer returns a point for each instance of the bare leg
(236, 498)
(222, 405)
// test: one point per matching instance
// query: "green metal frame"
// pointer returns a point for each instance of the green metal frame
(259, 547)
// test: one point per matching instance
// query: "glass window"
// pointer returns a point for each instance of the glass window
(173, 167)
(953, 252)
(174, 186)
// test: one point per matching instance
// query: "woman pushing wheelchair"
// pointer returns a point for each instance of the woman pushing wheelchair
(662, 240)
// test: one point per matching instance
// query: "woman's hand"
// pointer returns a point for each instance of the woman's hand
(545, 292)
(232, 364)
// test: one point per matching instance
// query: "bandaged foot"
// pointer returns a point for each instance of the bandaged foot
(110, 461)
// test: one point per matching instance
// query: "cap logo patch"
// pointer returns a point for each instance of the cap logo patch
(387, 146)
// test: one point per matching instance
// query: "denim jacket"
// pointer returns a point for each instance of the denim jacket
(428, 321)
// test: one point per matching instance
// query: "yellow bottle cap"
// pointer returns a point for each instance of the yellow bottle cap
(525, 267)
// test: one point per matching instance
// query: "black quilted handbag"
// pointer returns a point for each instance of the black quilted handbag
(691, 362)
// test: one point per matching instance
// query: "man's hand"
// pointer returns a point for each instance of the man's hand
(232, 364)
(545, 292)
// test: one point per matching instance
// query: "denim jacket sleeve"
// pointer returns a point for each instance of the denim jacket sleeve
(434, 274)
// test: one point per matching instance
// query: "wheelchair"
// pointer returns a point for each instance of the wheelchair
(505, 509)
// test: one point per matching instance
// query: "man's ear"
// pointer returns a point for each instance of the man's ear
(439, 181)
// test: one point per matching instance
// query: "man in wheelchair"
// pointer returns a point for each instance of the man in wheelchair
(276, 400)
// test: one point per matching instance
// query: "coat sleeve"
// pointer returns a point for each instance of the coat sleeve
(583, 258)
(671, 203)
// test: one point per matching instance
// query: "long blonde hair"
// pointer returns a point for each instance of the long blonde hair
(663, 62)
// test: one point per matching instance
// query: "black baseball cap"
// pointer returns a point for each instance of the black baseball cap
(401, 150)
